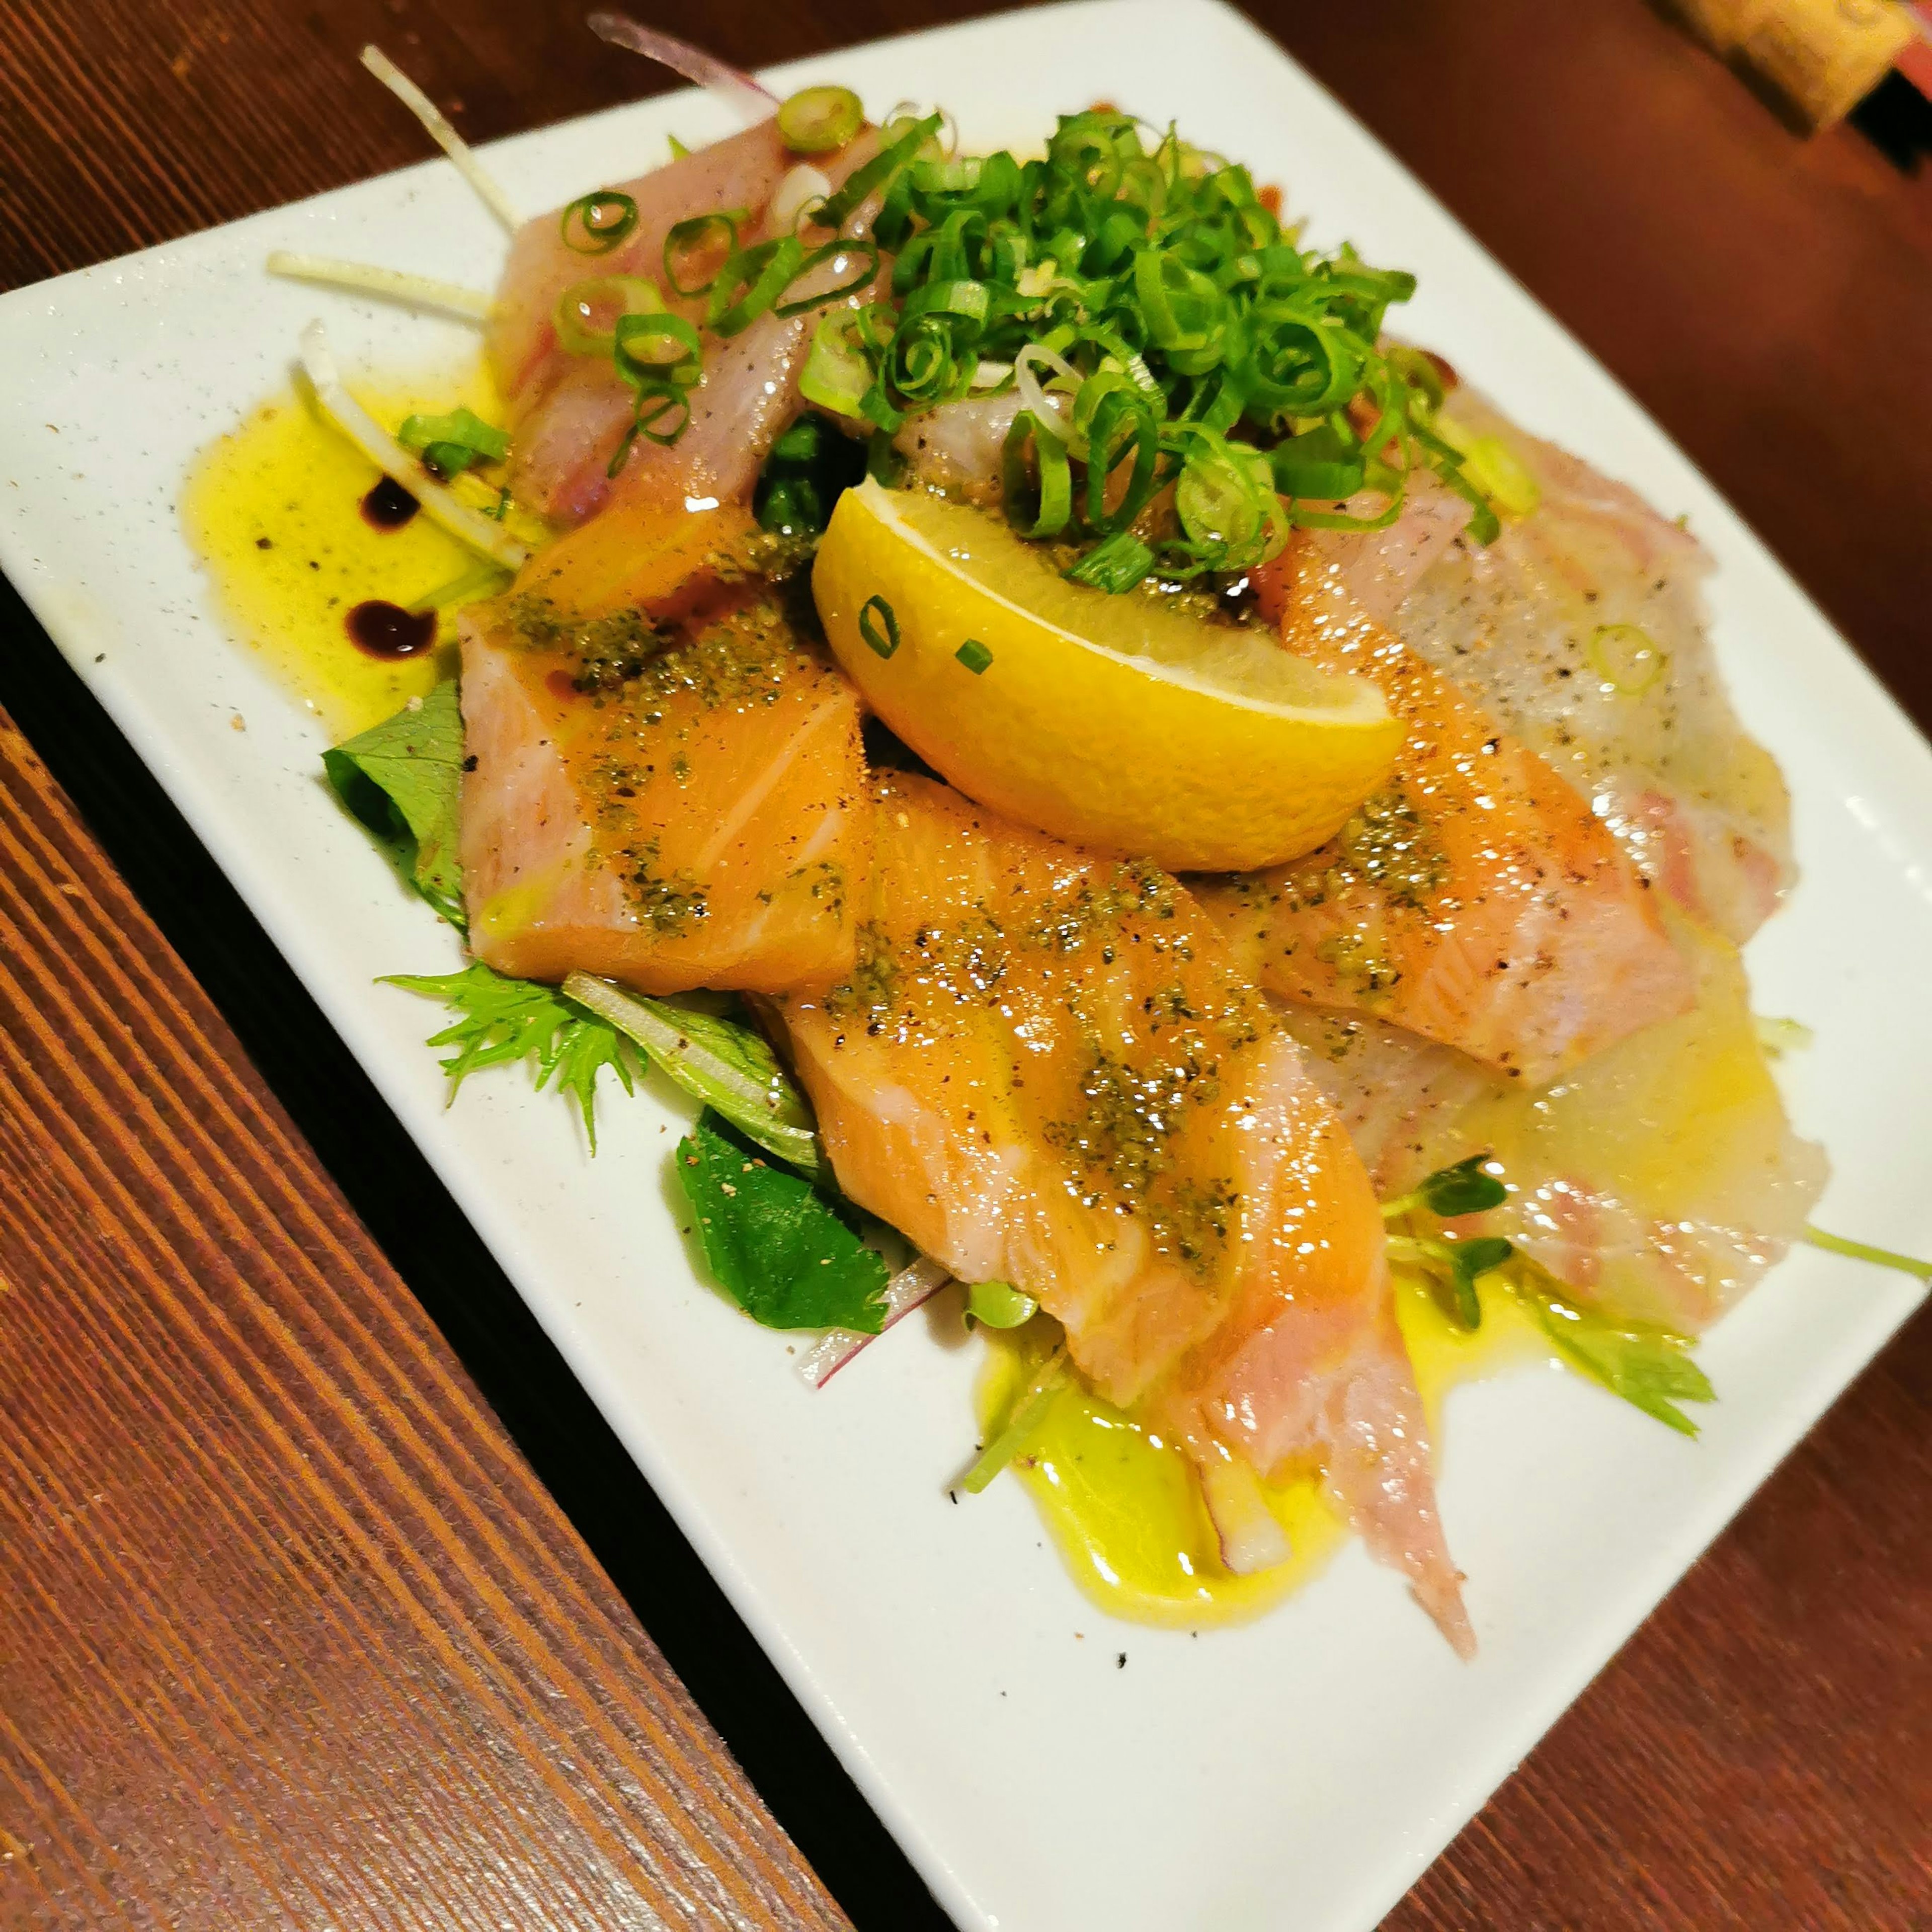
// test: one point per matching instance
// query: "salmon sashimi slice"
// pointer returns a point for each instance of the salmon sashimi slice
(1476, 900)
(666, 791)
(1583, 629)
(1657, 1182)
(571, 414)
(1043, 1070)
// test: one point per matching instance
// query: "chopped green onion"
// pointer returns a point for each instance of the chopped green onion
(874, 612)
(1115, 566)
(974, 656)
(703, 234)
(1191, 344)
(678, 150)
(1320, 462)
(751, 282)
(878, 170)
(594, 224)
(1053, 503)
(865, 254)
(1226, 502)
(816, 120)
(449, 444)
(661, 416)
(656, 347)
(811, 466)
(1626, 657)
(586, 315)
(1495, 468)
(836, 373)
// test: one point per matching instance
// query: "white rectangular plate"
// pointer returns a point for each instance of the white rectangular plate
(1305, 1768)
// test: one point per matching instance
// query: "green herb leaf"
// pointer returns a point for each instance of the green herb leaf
(501, 1020)
(731, 1068)
(1464, 1188)
(778, 1247)
(403, 779)
(1467, 1260)
(974, 656)
(1650, 1368)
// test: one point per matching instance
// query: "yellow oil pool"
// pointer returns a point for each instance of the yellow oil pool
(1123, 1505)
(273, 511)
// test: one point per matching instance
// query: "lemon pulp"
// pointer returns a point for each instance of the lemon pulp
(1116, 722)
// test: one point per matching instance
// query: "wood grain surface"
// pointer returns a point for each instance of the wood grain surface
(291, 1636)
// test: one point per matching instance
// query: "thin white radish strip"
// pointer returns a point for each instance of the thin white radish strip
(734, 86)
(420, 291)
(917, 1282)
(466, 525)
(444, 136)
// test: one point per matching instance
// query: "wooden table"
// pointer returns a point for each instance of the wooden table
(292, 1633)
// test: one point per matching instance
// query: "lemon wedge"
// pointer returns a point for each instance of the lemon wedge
(1114, 721)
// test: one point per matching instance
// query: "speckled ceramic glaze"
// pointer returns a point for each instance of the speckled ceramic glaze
(1299, 1770)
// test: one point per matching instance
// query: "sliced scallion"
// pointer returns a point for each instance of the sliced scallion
(879, 626)
(816, 120)
(594, 224)
(586, 312)
(711, 238)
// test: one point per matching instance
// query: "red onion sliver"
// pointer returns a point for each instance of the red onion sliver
(736, 89)
(919, 1281)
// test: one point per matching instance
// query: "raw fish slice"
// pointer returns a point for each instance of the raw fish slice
(570, 413)
(1043, 1071)
(1659, 1181)
(666, 794)
(743, 172)
(1476, 902)
(1533, 627)
(1378, 567)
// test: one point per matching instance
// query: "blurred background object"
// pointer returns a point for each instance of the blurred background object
(1819, 58)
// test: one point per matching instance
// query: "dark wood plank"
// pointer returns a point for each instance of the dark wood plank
(1761, 1756)
(293, 1635)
